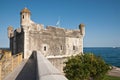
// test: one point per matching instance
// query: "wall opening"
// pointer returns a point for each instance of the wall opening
(73, 47)
(61, 47)
(23, 16)
(44, 48)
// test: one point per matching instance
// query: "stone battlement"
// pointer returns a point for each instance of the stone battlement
(60, 32)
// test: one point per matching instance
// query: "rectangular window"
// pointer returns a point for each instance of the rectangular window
(23, 16)
(61, 48)
(73, 47)
(44, 48)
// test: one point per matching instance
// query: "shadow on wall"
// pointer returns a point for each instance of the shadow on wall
(29, 70)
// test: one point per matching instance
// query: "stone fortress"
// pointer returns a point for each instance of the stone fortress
(55, 43)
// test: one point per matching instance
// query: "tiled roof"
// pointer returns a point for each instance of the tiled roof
(25, 10)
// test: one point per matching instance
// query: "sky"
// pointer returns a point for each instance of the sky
(101, 18)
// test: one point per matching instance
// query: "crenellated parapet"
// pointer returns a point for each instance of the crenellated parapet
(37, 27)
(60, 32)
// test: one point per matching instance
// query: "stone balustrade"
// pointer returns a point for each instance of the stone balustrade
(8, 63)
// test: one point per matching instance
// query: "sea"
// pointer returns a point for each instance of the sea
(111, 55)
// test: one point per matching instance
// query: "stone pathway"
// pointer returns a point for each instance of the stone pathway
(29, 71)
(114, 72)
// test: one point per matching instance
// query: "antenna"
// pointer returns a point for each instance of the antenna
(58, 22)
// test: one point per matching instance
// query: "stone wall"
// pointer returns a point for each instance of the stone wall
(8, 63)
(17, 42)
(20, 42)
(73, 45)
(58, 62)
(47, 44)
(56, 41)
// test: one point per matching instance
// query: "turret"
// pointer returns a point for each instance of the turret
(25, 17)
(10, 31)
(82, 29)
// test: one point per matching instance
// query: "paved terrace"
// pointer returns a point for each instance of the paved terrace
(37, 67)
(114, 72)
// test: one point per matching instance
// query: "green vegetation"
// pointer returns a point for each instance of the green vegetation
(85, 67)
(111, 78)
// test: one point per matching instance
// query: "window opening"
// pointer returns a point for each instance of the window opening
(61, 48)
(44, 48)
(23, 16)
(73, 47)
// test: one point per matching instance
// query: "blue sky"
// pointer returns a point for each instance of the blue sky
(101, 17)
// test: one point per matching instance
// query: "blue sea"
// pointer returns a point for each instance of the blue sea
(110, 55)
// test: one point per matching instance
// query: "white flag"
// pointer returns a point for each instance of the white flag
(58, 22)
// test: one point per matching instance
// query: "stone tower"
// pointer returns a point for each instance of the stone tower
(10, 36)
(82, 29)
(10, 31)
(25, 17)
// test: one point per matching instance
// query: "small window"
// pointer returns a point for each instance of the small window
(73, 47)
(44, 48)
(61, 48)
(23, 16)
